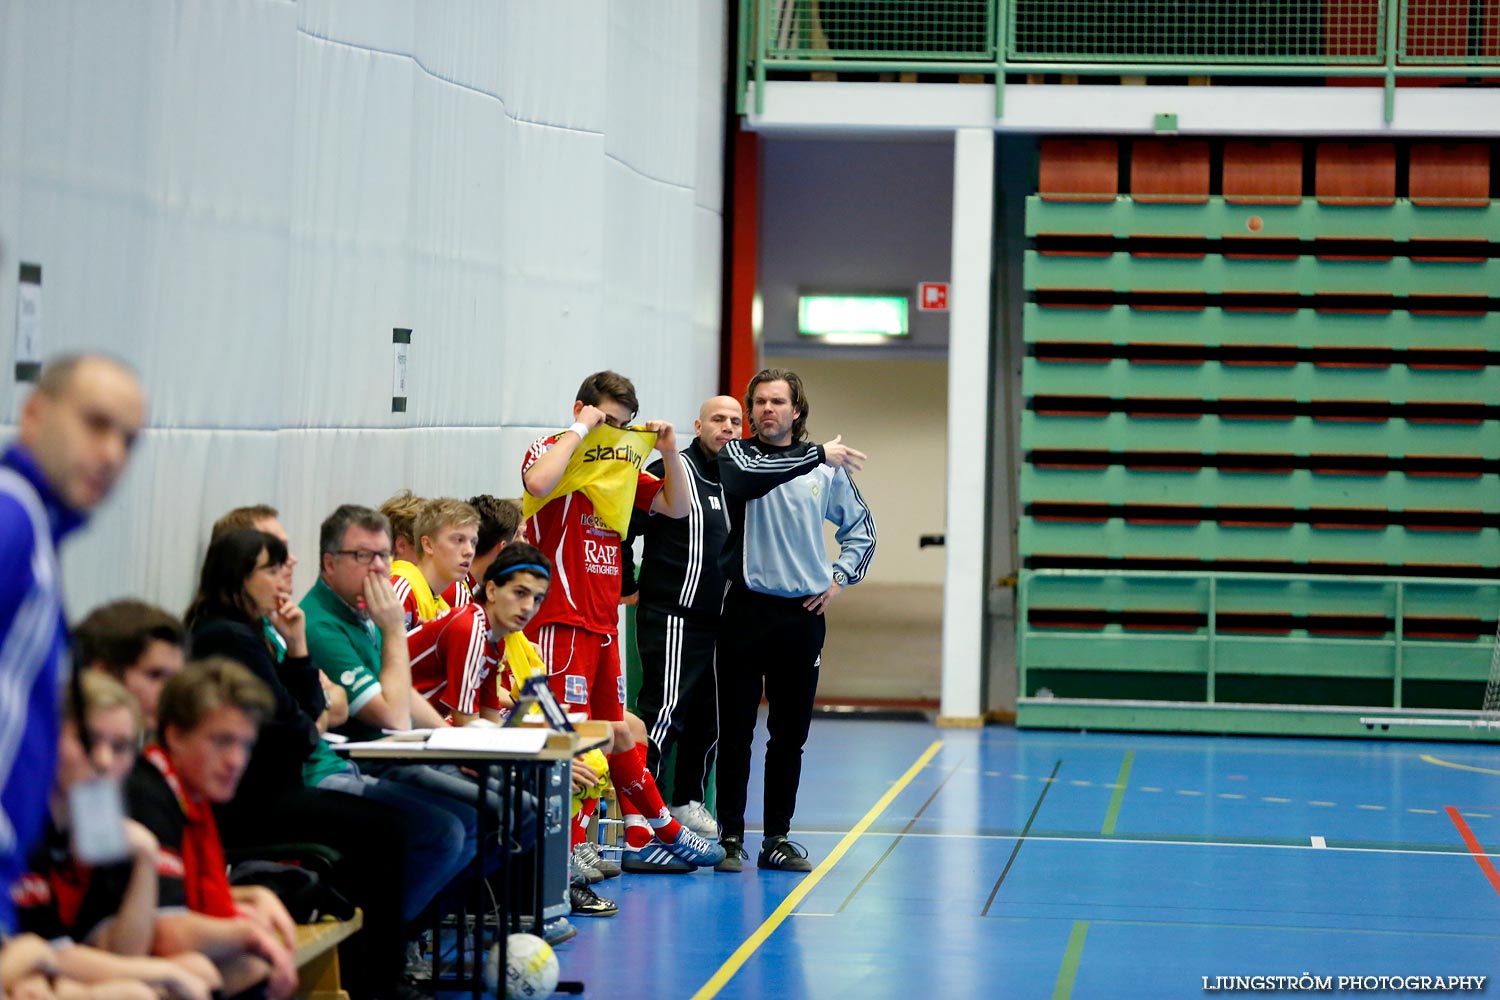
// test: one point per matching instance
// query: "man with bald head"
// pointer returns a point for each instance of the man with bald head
(77, 429)
(681, 591)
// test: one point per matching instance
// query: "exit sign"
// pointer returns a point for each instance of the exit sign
(932, 296)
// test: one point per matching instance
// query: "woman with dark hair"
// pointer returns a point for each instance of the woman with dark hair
(240, 593)
(241, 599)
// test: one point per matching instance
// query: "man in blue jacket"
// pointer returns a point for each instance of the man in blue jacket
(780, 489)
(77, 429)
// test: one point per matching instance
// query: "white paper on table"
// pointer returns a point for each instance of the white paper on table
(407, 734)
(502, 740)
(369, 745)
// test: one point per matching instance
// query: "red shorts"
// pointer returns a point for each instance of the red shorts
(583, 669)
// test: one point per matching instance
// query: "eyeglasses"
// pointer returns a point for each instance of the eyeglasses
(364, 556)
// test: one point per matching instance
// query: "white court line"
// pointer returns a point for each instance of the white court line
(1319, 842)
(1120, 841)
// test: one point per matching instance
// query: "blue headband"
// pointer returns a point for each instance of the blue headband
(529, 568)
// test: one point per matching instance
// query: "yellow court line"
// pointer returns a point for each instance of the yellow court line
(1429, 758)
(742, 954)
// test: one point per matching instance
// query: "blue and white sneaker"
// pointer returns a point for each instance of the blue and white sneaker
(654, 859)
(694, 849)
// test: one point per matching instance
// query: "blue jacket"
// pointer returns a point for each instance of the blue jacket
(778, 501)
(33, 657)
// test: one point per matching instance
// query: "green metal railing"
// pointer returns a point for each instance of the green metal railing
(1380, 39)
(1396, 657)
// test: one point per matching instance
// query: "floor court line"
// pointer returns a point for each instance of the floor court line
(1475, 848)
(736, 961)
(1068, 972)
(1022, 838)
(896, 840)
(1429, 758)
(1292, 928)
(1159, 842)
(1112, 815)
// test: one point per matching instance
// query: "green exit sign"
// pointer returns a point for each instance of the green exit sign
(853, 318)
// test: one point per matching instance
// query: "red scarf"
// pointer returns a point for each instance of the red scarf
(203, 871)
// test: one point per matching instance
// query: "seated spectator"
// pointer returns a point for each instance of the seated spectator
(356, 627)
(462, 677)
(499, 525)
(401, 511)
(263, 517)
(208, 716)
(242, 585)
(139, 645)
(446, 533)
(102, 919)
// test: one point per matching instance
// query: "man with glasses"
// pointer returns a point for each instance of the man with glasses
(356, 627)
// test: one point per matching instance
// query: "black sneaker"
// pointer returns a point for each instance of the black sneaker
(588, 903)
(734, 855)
(782, 855)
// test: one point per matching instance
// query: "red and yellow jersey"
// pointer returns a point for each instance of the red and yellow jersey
(424, 612)
(461, 672)
(585, 554)
(460, 592)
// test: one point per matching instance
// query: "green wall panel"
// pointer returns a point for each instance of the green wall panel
(1216, 218)
(1123, 272)
(1303, 328)
(1300, 435)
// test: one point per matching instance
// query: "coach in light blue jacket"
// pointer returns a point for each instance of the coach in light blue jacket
(77, 428)
(780, 489)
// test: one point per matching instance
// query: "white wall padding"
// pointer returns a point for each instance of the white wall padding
(243, 198)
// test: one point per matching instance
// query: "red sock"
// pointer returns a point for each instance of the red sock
(581, 821)
(638, 832)
(633, 781)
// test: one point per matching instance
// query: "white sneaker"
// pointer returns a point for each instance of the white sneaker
(696, 818)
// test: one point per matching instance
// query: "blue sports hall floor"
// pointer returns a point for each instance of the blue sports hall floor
(997, 863)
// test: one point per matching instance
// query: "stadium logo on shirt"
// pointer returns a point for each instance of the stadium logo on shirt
(605, 453)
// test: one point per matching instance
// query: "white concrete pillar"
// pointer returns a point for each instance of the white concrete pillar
(970, 428)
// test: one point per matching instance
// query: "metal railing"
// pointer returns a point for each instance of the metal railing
(1212, 641)
(1381, 39)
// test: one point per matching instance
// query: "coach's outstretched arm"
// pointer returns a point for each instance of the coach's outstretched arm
(748, 472)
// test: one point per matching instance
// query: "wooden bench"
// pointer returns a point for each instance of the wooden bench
(317, 957)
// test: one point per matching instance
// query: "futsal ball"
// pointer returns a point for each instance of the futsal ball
(530, 967)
